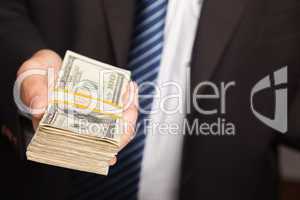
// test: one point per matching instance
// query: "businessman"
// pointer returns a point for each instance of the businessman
(213, 52)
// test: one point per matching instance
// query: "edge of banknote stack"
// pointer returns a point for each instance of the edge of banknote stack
(82, 126)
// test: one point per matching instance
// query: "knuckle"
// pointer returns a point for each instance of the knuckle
(31, 63)
(26, 66)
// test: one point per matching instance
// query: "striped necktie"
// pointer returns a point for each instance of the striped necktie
(144, 61)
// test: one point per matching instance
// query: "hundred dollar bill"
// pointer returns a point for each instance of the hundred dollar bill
(87, 98)
(82, 126)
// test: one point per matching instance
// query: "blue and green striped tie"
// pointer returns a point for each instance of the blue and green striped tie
(144, 62)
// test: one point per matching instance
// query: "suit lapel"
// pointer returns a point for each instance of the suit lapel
(120, 16)
(217, 24)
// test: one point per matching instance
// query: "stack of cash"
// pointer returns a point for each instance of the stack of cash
(82, 126)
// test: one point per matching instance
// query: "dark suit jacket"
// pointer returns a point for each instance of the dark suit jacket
(237, 40)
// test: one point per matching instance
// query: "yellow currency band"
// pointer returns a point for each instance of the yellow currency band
(78, 94)
(60, 102)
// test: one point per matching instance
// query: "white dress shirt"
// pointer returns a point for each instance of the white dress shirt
(162, 156)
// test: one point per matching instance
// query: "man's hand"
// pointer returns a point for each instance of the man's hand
(34, 92)
(34, 89)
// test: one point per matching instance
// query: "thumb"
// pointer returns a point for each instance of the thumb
(38, 105)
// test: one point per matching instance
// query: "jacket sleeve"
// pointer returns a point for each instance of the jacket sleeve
(19, 37)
